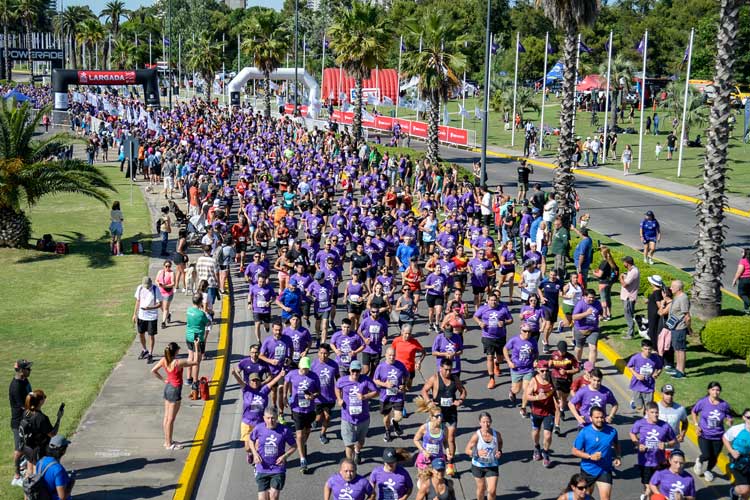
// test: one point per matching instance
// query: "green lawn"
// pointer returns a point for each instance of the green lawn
(739, 177)
(70, 314)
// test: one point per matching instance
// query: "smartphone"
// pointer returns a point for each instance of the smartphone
(599, 243)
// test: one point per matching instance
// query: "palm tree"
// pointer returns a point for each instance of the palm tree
(90, 34)
(569, 16)
(437, 66)
(204, 57)
(709, 260)
(68, 26)
(621, 76)
(8, 10)
(697, 111)
(124, 53)
(266, 39)
(112, 12)
(28, 14)
(502, 100)
(359, 36)
(26, 175)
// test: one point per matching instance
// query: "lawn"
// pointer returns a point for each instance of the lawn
(739, 177)
(70, 314)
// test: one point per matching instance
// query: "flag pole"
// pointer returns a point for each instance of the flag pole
(304, 50)
(463, 96)
(323, 68)
(515, 88)
(489, 80)
(575, 84)
(643, 99)
(150, 62)
(544, 91)
(179, 61)
(239, 53)
(685, 103)
(606, 98)
(398, 73)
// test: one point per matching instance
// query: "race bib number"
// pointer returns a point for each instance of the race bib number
(270, 449)
(279, 352)
(445, 402)
(354, 298)
(432, 448)
(646, 370)
(296, 356)
(303, 402)
(241, 238)
(391, 391)
(262, 303)
(355, 406)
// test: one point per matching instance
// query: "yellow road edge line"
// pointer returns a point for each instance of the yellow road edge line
(194, 460)
(622, 182)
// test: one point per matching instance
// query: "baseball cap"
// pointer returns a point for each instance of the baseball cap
(650, 213)
(542, 363)
(389, 454)
(304, 362)
(535, 210)
(58, 442)
(438, 464)
(253, 376)
(667, 389)
(588, 366)
(23, 364)
(562, 346)
(356, 365)
(146, 281)
(319, 275)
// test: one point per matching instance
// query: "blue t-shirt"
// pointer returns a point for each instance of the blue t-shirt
(54, 476)
(590, 440)
(650, 228)
(585, 247)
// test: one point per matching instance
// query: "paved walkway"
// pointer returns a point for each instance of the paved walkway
(118, 447)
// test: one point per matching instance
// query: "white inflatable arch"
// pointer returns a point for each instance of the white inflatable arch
(238, 83)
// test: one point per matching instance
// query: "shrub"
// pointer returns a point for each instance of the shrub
(728, 335)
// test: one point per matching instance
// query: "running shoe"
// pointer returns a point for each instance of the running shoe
(632, 404)
(324, 439)
(404, 413)
(398, 429)
(546, 348)
(16, 481)
(450, 469)
(698, 468)
(143, 354)
(545, 457)
(558, 432)
(491, 384)
(537, 455)
(169, 317)
(559, 326)
(303, 465)
(150, 358)
(708, 476)
(513, 399)
(358, 458)
(387, 438)
(678, 374)
(163, 324)
(524, 413)
(282, 420)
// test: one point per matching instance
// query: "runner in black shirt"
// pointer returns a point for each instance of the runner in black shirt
(523, 179)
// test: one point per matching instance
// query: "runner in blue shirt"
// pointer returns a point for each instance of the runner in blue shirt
(650, 235)
(597, 447)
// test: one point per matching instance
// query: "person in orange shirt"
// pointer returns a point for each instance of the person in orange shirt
(193, 199)
(406, 348)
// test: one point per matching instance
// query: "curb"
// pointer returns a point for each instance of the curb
(202, 437)
(607, 178)
(620, 363)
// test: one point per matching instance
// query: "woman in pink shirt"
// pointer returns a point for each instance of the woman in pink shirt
(742, 279)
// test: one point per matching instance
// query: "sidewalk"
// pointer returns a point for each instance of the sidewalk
(118, 447)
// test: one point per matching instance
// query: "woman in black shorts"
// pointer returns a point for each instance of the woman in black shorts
(172, 389)
(180, 261)
(485, 448)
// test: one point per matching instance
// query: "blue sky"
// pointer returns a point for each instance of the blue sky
(98, 5)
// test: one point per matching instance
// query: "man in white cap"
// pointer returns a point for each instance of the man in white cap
(301, 387)
(146, 315)
(352, 394)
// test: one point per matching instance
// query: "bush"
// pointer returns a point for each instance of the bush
(728, 335)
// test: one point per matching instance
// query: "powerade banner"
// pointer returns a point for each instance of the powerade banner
(106, 77)
(19, 54)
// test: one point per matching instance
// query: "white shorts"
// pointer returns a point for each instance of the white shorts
(169, 183)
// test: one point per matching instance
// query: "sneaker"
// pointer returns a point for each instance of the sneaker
(314, 425)
(398, 429)
(282, 420)
(643, 496)
(546, 348)
(387, 438)
(497, 370)
(644, 334)
(698, 468)
(678, 374)
(524, 413)
(450, 469)
(559, 327)
(558, 432)
(547, 462)
(708, 476)
(404, 413)
(169, 317)
(669, 369)
(143, 354)
(163, 324)
(189, 381)
(537, 455)
(303, 465)
(150, 358)
(17, 481)
(358, 458)
(491, 384)
(513, 398)
(324, 439)
(632, 404)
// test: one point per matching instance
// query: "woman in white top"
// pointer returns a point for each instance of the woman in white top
(115, 228)
(485, 448)
(572, 293)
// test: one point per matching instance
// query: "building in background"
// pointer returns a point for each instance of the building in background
(235, 4)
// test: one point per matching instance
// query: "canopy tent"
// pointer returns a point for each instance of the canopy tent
(556, 73)
(18, 96)
(592, 82)
(383, 82)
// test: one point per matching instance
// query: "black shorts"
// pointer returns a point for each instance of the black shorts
(740, 479)
(147, 326)
(355, 308)
(604, 477)
(17, 439)
(493, 347)
(323, 407)
(434, 300)
(483, 472)
(450, 415)
(550, 313)
(303, 420)
(222, 267)
(201, 346)
(562, 385)
(389, 406)
(459, 281)
(478, 290)
(261, 317)
(546, 422)
(371, 359)
(240, 246)
(646, 473)
(268, 481)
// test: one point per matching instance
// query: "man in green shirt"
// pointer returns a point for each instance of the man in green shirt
(198, 324)
(560, 245)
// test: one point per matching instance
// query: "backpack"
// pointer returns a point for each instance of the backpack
(158, 225)
(34, 487)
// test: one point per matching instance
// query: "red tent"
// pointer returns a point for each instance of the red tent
(592, 82)
(335, 82)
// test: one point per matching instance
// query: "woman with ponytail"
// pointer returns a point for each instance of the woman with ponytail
(36, 428)
(172, 389)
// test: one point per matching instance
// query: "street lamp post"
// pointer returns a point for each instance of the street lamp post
(169, 52)
(296, 42)
(485, 114)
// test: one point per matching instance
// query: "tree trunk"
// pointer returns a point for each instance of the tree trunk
(6, 61)
(267, 96)
(15, 228)
(563, 176)
(433, 122)
(357, 121)
(209, 79)
(709, 260)
(28, 51)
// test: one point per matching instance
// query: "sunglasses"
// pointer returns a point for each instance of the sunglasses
(580, 487)
(542, 370)
(437, 416)
(743, 416)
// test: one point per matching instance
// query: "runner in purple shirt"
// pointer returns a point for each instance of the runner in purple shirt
(253, 364)
(593, 394)
(346, 344)
(321, 294)
(586, 314)
(493, 320)
(646, 366)
(254, 401)
(478, 267)
(374, 335)
(673, 480)
(346, 484)
(448, 345)
(520, 353)
(327, 371)
(275, 352)
(436, 285)
(390, 377)
(301, 387)
(300, 337)
(714, 412)
(391, 481)
(267, 443)
(650, 437)
(353, 393)
(259, 299)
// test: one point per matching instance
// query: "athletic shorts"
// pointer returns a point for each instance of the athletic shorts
(546, 422)
(478, 290)
(323, 314)
(516, 377)
(550, 313)
(580, 339)
(270, 481)
(351, 433)
(303, 420)
(369, 358)
(355, 308)
(387, 407)
(679, 339)
(240, 246)
(523, 186)
(641, 398)
(245, 430)
(603, 477)
(562, 385)
(260, 317)
(172, 394)
(450, 416)
(567, 309)
(201, 346)
(323, 407)
(646, 473)
(147, 326)
(17, 439)
(483, 472)
(492, 347)
(434, 300)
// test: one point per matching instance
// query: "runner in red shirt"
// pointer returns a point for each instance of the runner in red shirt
(406, 348)
(240, 235)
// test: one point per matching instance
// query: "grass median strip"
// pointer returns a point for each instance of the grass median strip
(70, 314)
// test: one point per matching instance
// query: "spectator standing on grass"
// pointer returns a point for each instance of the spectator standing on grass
(627, 159)
(742, 279)
(115, 228)
(146, 316)
(678, 322)
(671, 144)
(583, 256)
(630, 282)
(19, 388)
(37, 428)
(709, 415)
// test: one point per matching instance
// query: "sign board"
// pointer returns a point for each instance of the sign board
(19, 54)
(367, 92)
(106, 77)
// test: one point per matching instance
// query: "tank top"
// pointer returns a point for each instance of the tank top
(407, 314)
(573, 295)
(433, 444)
(377, 301)
(491, 448)
(446, 393)
(546, 406)
(746, 268)
(174, 377)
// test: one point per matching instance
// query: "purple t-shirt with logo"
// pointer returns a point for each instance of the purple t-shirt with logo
(651, 435)
(588, 397)
(301, 385)
(479, 268)
(646, 367)
(347, 344)
(531, 316)
(301, 340)
(322, 296)
(248, 366)
(262, 297)
(395, 373)
(372, 329)
(280, 350)
(254, 403)
(590, 322)
(451, 343)
(523, 353)
(712, 417)
(670, 483)
(490, 317)
(355, 410)
(327, 373)
(271, 444)
(358, 489)
(436, 280)
(390, 485)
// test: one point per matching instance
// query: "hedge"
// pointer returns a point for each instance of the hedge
(728, 336)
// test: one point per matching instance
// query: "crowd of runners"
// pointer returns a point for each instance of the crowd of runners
(340, 244)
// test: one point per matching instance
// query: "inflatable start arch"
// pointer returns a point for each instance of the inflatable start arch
(251, 73)
(63, 78)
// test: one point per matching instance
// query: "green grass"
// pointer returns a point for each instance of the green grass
(691, 175)
(702, 366)
(70, 314)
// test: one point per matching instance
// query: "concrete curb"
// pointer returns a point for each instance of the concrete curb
(203, 433)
